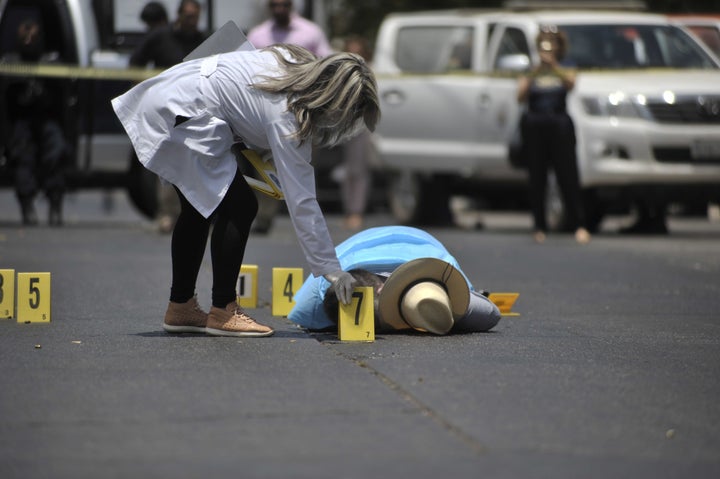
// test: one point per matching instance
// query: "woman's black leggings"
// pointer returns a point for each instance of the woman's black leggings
(550, 143)
(231, 223)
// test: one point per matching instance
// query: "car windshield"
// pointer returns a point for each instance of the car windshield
(633, 46)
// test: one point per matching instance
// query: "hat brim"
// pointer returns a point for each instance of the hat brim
(413, 272)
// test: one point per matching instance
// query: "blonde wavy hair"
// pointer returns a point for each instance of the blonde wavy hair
(331, 97)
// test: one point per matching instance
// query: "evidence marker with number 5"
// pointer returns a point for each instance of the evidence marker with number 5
(33, 297)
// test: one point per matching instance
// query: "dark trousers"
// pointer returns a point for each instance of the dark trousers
(231, 223)
(549, 142)
(38, 150)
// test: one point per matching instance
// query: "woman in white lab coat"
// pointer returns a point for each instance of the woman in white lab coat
(183, 124)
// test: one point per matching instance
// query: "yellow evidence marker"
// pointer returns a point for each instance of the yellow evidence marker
(356, 321)
(504, 302)
(285, 283)
(33, 297)
(7, 293)
(247, 286)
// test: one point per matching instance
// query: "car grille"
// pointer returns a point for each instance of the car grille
(690, 110)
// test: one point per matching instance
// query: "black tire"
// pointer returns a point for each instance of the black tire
(142, 188)
(420, 201)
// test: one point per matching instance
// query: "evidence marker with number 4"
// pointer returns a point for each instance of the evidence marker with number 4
(285, 283)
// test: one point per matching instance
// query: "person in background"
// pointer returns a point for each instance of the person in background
(549, 134)
(154, 15)
(356, 177)
(183, 124)
(37, 149)
(284, 26)
(287, 26)
(166, 45)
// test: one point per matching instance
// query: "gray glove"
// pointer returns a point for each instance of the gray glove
(343, 284)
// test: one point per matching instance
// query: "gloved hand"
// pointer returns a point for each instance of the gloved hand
(343, 284)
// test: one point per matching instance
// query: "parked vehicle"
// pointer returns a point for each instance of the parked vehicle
(95, 38)
(646, 108)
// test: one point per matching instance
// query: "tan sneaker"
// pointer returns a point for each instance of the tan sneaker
(185, 317)
(232, 321)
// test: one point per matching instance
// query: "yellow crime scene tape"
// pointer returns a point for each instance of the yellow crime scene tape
(75, 72)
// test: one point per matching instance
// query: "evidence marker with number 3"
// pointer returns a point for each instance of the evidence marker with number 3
(7, 293)
(285, 283)
(356, 321)
(33, 297)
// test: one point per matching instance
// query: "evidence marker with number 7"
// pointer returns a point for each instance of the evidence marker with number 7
(356, 320)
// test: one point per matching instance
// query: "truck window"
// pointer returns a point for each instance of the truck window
(709, 34)
(58, 44)
(633, 46)
(434, 49)
(512, 42)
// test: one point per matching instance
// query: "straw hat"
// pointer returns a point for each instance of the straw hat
(426, 294)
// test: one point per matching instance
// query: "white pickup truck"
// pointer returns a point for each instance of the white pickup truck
(646, 108)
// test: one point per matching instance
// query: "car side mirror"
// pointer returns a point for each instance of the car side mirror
(513, 63)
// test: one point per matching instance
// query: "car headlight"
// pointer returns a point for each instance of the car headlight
(616, 104)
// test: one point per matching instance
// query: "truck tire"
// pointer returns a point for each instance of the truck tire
(142, 188)
(421, 201)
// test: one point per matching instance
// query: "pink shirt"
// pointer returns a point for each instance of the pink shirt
(300, 31)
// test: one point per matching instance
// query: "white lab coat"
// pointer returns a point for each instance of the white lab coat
(215, 94)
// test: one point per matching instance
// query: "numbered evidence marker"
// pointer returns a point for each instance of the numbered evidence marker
(285, 283)
(7, 293)
(247, 292)
(504, 302)
(33, 297)
(356, 321)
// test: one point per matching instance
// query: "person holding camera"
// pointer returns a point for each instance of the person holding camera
(549, 134)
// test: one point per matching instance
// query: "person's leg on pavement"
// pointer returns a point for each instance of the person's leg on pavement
(356, 183)
(187, 248)
(564, 160)
(22, 153)
(52, 165)
(535, 149)
(233, 220)
(168, 207)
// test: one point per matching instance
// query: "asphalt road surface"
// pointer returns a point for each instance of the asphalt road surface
(610, 371)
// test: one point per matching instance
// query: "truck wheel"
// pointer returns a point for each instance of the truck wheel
(421, 201)
(142, 188)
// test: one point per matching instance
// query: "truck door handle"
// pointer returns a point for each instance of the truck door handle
(393, 97)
